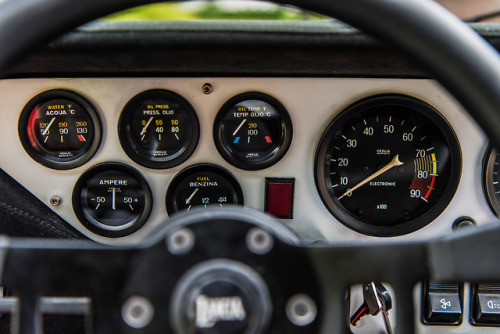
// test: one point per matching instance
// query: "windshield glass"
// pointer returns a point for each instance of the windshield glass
(474, 10)
(469, 10)
(214, 10)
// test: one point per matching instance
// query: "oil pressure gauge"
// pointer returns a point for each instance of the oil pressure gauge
(59, 129)
(112, 200)
(158, 129)
(252, 131)
(202, 185)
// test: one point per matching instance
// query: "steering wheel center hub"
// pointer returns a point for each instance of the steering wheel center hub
(221, 296)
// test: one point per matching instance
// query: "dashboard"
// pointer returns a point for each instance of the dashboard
(314, 77)
(311, 103)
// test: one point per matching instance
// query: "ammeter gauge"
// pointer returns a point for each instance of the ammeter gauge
(200, 186)
(252, 131)
(112, 200)
(59, 129)
(158, 129)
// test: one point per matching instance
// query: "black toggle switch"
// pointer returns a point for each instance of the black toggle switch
(486, 304)
(442, 303)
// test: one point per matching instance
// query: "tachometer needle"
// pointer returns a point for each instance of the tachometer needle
(394, 162)
(192, 195)
(146, 126)
(48, 126)
(239, 127)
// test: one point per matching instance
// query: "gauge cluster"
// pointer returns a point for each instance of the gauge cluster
(367, 158)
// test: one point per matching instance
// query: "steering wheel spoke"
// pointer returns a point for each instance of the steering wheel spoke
(236, 260)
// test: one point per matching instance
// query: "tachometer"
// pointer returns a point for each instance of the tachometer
(59, 129)
(388, 165)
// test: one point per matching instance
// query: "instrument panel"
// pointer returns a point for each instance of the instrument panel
(159, 133)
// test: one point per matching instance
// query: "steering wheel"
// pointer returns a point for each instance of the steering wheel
(263, 278)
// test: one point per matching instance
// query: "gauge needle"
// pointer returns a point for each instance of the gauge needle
(239, 127)
(394, 162)
(114, 199)
(146, 126)
(48, 126)
(192, 195)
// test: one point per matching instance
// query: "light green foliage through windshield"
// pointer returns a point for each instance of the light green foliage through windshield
(213, 10)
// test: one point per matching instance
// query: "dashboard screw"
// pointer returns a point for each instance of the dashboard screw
(181, 241)
(207, 88)
(137, 312)
(259, 241)
(301, 310)
(462, 223)
(55, 200)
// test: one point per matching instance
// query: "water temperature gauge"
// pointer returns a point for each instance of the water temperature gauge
(112, 200)
(59, 129)
(252, 131)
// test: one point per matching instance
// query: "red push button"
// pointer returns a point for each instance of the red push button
(279, 197)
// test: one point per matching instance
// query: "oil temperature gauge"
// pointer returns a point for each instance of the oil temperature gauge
(252, 131)
(158, 129)
(112, 200)
(202, 185)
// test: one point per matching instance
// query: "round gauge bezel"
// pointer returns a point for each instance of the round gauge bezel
(203, 167)
(270, 159)
(102, 229)
(333, 204)
(489, 190)
(48, 160)
(131, 149)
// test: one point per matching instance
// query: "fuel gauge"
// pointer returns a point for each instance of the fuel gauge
(202, 185)
(112, 200)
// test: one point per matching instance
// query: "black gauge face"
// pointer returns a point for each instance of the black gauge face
(388, 165)
(59, 129)
(112, 200)
(200, 186)
(491, 179)
(158, 129)
(252, 131)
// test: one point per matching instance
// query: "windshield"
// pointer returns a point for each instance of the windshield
(474, 10)
(469, 10)
(214, 10)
